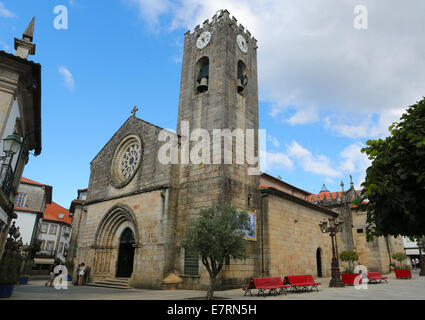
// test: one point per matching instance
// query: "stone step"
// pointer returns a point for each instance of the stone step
(115, 283)
(116, 280)
(107, 285)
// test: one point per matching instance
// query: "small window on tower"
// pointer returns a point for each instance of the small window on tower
(242, 78)
(202, 75)
(359, 230)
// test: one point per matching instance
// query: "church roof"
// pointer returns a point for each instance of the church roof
(130, 118)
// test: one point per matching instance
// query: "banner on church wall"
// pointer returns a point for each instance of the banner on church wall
(251, 234)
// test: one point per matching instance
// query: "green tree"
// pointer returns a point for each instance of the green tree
(349, 256)
(400, 257)
(394, 186)
(218, 234)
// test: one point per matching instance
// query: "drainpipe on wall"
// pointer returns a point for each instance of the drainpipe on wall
(262, 232)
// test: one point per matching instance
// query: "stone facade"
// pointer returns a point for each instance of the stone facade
(20, 113)
(375, 255)
(154, 203)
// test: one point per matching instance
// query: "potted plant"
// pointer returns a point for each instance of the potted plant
(26, 271)
(349, 256)
(69, 264)
(402, 271)
(9, 273)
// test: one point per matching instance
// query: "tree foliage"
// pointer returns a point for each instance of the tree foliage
(349, 256)
(218, 234)
(399, 256)
(394, 188)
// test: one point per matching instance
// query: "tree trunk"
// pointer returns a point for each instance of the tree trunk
(210, 292)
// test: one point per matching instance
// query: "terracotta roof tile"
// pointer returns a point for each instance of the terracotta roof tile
(52, 212)
(29, 181)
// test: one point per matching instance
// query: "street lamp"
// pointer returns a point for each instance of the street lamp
(334, 227)
(11, 144)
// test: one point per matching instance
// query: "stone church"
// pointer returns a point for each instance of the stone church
(130, 227)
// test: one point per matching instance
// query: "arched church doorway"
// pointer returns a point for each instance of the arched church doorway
(319, 262)
(126, 254)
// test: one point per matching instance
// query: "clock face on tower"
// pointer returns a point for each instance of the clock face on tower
(242, 43)
(203, 40)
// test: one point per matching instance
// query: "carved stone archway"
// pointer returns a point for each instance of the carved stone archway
(107, 239)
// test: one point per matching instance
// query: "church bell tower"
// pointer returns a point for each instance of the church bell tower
(218, 91)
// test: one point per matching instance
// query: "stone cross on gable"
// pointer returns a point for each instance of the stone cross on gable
(133, 112)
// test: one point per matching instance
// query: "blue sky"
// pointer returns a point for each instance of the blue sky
(325, 87)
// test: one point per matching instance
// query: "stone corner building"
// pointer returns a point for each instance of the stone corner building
(137, 209)
(20, 119)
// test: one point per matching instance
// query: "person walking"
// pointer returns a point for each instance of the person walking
(49, 283)
(81, 274)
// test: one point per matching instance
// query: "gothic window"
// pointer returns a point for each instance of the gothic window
(191, 263)
(242, 78)
(202, 75)
(126, 161)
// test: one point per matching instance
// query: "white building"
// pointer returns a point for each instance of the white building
(54, 236)
(30, 202)
(411, 249)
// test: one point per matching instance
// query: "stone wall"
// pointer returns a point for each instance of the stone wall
(292, 237)
(152, 231)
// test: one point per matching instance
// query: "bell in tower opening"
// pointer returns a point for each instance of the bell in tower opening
(203, 67)
(242, 77)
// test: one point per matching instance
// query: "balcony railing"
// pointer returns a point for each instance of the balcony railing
(6, 179)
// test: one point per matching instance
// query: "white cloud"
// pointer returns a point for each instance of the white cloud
(274, 141)
(5, 13)
(303, 116)
(323, 63)
(314, 164)
(353, 161)
(278, 160)
(67, 77)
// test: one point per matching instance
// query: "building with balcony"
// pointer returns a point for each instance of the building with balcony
(54, 236)
(20, 121)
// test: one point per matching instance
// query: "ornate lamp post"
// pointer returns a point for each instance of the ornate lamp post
(11, 146)
(333, 228)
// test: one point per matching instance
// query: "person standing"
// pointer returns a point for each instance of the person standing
(417, 263)
(81, 274)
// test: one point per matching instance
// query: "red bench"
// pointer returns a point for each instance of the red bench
(251, 286)
(302, 283)
(274, 285)
(375, 276)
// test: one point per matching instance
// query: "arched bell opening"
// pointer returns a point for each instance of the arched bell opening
(202, 75)
(242, 78)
